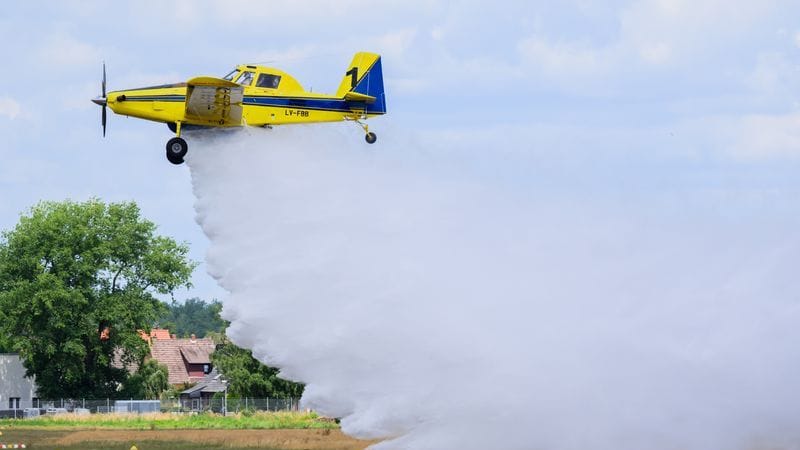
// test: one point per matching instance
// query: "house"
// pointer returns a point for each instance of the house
(16, 390)
(132, 367)
(198, 397)
(187, 360)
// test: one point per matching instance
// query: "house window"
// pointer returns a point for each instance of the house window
(13, 403)
(35, 402)
(206, 368)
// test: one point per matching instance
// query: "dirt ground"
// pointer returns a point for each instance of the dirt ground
(186, 439)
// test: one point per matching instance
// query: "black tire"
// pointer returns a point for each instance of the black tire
(176, 150)
(371, 138)
(174, 160)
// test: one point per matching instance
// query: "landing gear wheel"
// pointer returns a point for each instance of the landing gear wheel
(176, 150)
(371, 138)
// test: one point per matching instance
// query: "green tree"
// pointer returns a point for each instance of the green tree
(193, 316)
(148, 382)
(4, 345)
(247, 376)
(77, 282)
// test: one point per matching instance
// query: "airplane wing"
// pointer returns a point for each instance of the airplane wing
(215, 101)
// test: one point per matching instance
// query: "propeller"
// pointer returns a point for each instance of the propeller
(103, 101)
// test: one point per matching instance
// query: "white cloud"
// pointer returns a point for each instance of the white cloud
(277, 56)
(663, 31)
(407, 85)
(397, 42)
(137, 79)
(315, 11)
(573, 67)
(561, 58)
(66, 52)
(768, 136)
(9, 108)
(774, 74)
(655, 53)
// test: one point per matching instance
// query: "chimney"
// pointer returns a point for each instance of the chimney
(193, 337)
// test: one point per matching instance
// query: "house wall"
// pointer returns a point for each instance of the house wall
(13, 383)
(198, 370)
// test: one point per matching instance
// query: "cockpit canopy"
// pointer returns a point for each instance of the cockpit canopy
(262, 77)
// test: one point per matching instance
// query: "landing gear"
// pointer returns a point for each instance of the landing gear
(176, 147)
(370, 137)
(176, 150)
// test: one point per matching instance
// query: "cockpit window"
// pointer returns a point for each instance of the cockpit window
(245, 79)
(231, 75)
(267, 80)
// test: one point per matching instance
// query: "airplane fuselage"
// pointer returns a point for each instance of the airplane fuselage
(260, 106)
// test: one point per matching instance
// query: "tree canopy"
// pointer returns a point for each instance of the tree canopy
(247, 376)
(194, 316)
(148, 382)
(77, 282)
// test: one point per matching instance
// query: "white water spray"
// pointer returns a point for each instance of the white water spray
(433, 304)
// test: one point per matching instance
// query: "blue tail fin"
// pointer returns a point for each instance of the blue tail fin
(363, 83)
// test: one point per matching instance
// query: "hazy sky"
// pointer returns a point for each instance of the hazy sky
(647, 99)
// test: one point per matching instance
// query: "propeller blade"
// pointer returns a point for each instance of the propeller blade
(104, 79)
(104, 120)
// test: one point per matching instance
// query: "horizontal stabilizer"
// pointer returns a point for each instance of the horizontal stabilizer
(357, 97)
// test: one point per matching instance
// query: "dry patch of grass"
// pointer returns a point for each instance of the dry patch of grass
(186, 439)
(275, 439)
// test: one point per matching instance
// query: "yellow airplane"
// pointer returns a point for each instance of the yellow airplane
(251, 95)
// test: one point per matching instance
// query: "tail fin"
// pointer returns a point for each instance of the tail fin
(363, 82)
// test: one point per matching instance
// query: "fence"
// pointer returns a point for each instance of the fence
(218, 404)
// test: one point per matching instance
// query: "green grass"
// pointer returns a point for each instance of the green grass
(164, 421)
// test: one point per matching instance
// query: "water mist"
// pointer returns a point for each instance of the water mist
(433, 301)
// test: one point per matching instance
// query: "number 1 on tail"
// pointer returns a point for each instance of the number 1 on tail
(353, 76)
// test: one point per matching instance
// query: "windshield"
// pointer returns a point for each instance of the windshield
(231, 75)
(245, 79)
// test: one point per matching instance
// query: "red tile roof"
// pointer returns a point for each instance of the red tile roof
(155, 333)
(172, 353)
(160, 333)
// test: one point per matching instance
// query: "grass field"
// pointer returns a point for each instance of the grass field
(277, 431)
(167, 421)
